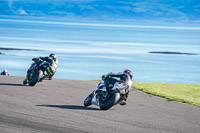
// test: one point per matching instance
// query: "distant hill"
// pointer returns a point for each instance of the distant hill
(158, 10)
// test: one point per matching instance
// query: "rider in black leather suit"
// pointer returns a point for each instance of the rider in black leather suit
(110, 80)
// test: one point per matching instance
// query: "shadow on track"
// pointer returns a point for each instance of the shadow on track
(74, 107)
(9, 84)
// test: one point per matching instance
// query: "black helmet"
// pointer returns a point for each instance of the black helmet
(52, 55)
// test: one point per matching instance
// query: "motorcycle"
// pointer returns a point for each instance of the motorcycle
(106, 99)
(35, 73)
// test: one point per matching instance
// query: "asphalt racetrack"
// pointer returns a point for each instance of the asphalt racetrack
(56, 106)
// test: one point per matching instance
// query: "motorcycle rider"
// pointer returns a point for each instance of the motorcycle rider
(50, 65)
(110, 80)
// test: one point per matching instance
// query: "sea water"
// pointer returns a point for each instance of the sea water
(87, 49)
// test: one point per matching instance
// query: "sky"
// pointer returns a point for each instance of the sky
(122, 10)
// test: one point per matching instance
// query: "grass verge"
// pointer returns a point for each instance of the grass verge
(186, 93)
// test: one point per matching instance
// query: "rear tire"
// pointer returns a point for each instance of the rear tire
(36, 78)
(111, 101)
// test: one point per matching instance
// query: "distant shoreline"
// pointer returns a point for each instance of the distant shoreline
(168, 52)
(1, 48)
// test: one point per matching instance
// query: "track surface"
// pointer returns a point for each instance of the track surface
(57, 106)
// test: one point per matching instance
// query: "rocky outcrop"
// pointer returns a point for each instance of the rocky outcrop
(168, 52)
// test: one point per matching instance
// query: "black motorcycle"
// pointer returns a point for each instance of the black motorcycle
(106, 99)
(35, 73)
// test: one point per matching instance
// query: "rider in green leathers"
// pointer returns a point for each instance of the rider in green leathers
(50, 65)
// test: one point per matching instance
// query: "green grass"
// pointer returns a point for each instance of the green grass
(186, 93)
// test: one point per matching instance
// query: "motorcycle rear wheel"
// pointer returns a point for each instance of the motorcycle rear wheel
(36, 78)
(110, 101)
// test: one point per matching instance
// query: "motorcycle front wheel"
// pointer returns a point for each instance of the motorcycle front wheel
(36, 78)
(88, 101)
(107, 103)
(25, 81)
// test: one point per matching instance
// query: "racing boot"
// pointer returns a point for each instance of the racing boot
(50, 77)
(123, 103)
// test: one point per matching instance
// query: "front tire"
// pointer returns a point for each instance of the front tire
(88, 101)
(109, 102)
(25, 81)
(36, 78)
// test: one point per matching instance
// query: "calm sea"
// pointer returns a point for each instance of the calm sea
(87, 50)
